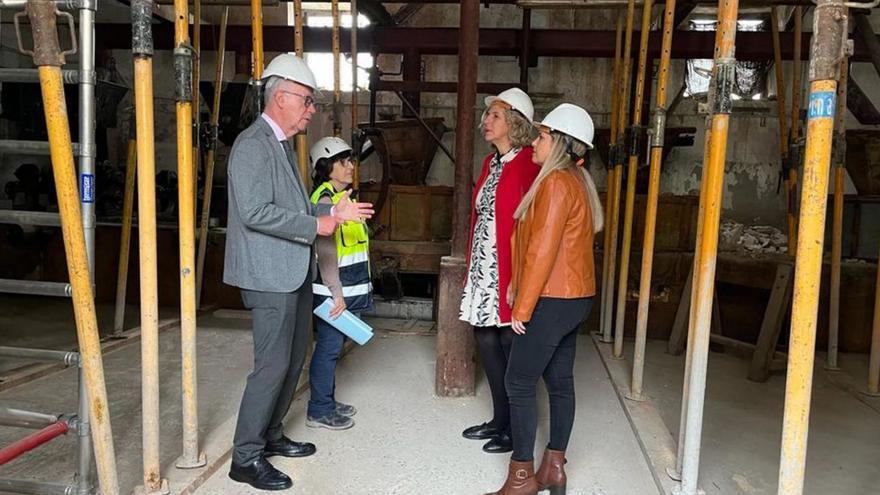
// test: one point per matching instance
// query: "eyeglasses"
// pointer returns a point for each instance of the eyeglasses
(308, 101)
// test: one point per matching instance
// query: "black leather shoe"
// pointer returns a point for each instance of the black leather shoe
(288, 448)
(499, 445)
(481, 432)
(261, 475)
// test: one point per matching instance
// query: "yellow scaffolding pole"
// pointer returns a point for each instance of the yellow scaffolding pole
(839, 150)
(257, 40)
(723, 76)
(356, 156)
(830, 31)
(302, 144)
(607, 270)
(657, 138)
(125, 233)
(142, 49)
(49, 59)
(792, 188)
(632, 170)
(196, 78)
(613, 224)
(209, 159)
(183, 65)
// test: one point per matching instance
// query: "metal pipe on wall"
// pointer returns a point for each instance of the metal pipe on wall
(142, 51)
(49, 59)
(632, 170)
(184, 95)
(611, 171)
(658, 129)
(827, 50)
(209, 160)
(613, 225)
(723, 76)
(839, 158)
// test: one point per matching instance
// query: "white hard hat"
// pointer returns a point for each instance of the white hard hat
(327, 147)
(571, 120)
(517, 99)
(292, 68)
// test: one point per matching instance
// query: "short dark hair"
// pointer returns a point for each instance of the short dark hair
(324, 167)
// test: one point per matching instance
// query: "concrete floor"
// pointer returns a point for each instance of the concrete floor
(406, 440)
(742, 428)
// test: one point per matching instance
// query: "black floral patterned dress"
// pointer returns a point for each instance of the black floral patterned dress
(480, 300)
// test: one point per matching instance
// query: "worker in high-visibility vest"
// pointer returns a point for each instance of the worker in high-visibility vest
(343, 275)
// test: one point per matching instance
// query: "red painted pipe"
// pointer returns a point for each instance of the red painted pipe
(30, 442)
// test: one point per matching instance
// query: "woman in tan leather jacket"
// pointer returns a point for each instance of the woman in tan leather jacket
(552, 287)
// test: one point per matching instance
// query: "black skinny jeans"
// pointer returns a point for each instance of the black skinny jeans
(493, 345)
(546, 349)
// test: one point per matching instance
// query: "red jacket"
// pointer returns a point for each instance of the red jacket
(516, 178)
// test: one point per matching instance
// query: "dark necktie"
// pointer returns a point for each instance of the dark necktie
(288, 150)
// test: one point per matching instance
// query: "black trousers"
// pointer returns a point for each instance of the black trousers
(546, 349)
(493, 346)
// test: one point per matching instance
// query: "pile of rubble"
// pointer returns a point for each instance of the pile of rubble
(755, 239)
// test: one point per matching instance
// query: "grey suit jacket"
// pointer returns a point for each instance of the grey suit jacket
(271, 222)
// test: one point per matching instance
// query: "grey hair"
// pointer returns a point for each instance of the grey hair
(270, 86)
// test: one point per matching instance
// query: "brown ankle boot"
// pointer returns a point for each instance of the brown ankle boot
(551, 474)
(520, 479)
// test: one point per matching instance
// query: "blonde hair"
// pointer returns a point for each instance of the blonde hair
(559, 159)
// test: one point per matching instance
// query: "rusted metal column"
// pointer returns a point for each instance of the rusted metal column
(183, 66)
(794, 161)
(455, 371)
(632, 170)
(48, 58)
(142, 50)
(658, 129)
(526, 34)
(257, 41)
(125, 232)
(723, 77)
(839, 159)
(611, 180)
(613, 224)
(337, 70)
(302, 145)
(356, 157)
(826, 52)
(209, 159)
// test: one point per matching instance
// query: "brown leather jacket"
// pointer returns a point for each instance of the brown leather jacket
(553, 245)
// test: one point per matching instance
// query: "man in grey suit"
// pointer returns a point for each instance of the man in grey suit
(269, 256)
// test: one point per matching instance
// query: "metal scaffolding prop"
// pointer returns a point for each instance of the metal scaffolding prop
(209, 160)
(356, 157)
(196, 95)
(610, 182)
(52, 426)
(723, 77)
(794, 159)
(125, 231)
(337, 70)
(183, 67)
(839, 162)
(617, 174)
(657, 133)
(142, 50)
(302, 145)
(77, 215)
(257, 70)
(828, 50)
(635, 135)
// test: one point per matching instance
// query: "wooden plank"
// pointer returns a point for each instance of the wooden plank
(771, 327)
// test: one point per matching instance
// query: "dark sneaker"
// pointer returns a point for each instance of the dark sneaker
(345, 409)
(332, 421)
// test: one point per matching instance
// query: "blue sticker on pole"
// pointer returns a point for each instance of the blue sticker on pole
(822, 105)
(87, 188)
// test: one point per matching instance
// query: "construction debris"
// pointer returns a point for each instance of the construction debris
(755, 239)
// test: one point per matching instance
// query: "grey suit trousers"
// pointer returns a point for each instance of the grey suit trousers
(281, 338)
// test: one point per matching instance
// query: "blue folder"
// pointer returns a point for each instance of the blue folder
(347, 322)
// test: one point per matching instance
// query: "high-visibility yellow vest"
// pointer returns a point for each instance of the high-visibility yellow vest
(352, 256)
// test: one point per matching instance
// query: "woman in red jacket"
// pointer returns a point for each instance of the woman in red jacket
(507, 175)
